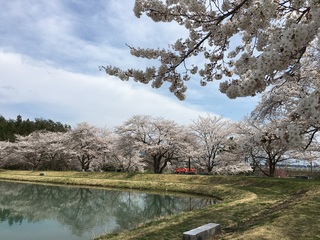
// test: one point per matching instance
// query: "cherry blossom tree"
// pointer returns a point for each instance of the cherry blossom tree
(44, 150)
(57, 155)
(158, 141)
(211, 133)
(217, 139)
(87, 143)
(39, 150)
(124, 155)
(250, 43)
(262, 144)
(5, 153)
(31, 149)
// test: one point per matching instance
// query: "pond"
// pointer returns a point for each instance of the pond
(34, 211)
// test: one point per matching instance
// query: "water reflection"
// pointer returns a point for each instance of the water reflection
(84, 210)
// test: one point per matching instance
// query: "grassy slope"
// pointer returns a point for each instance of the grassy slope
(252, 208)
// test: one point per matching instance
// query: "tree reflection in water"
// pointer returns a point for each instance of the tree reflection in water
(85, 210)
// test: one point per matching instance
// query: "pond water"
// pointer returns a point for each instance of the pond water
(33, 211)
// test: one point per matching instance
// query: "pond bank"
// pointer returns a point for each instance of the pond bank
(251, 208)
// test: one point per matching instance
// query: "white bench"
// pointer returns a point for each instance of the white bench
(204, 232)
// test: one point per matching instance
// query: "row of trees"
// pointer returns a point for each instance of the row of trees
(211, 144)
(9, 128)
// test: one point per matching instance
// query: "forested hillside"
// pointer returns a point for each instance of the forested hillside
(10, 127)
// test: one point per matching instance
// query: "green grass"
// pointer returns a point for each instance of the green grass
(251, 208)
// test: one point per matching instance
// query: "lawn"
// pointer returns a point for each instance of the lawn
(251, 207)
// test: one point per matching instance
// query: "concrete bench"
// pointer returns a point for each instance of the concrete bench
(302, 177)
(204, 232)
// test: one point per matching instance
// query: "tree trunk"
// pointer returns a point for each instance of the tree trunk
(163, 166)
(156, 164)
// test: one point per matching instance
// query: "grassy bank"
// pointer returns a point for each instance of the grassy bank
(251, 208)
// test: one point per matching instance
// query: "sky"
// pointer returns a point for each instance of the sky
(50, 53)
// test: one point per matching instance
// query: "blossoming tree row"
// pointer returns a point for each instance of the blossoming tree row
(145, 143)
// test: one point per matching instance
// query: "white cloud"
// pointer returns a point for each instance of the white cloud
(74, 97)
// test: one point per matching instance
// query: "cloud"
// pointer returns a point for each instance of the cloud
(79, 35)
(37, 90)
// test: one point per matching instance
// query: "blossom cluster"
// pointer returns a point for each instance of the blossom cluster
(292, 135)
(309, 107)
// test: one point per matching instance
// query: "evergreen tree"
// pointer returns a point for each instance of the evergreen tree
(10, 127)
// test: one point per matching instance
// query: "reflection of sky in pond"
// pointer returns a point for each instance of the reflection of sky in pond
(30, 211)
(47, 229)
